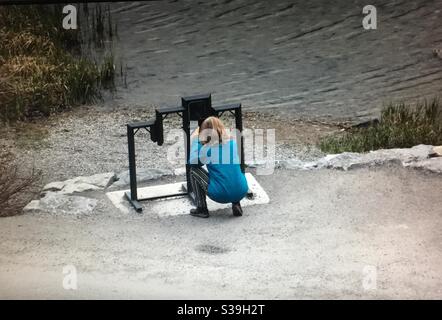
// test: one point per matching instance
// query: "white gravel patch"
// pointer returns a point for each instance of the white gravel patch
(181, 205)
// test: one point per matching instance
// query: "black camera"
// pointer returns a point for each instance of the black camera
(156, 131)
(198, 107)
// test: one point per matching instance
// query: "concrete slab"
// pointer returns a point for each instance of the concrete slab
(180, 205)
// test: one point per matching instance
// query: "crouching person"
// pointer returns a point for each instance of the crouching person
(224, 182)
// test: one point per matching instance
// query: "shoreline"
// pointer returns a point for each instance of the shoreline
(87, 140)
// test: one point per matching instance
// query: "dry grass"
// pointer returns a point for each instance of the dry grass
(39, 73)
(400, 126)
(15, 187)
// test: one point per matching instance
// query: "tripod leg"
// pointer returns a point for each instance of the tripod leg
(132, 195)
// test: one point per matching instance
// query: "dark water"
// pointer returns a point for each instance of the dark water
(310, 58)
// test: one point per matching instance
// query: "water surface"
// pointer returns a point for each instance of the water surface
(309, 58)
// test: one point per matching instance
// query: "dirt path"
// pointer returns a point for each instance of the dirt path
(314, 240)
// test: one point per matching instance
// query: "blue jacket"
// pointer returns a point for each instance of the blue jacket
(227, 183)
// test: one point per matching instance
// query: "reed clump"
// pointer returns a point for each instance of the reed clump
(401, 125)
(42, 69)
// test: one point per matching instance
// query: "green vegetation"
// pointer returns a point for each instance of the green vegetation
(42, 68)
(400, 126)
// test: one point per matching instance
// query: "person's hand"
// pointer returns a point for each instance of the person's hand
(195, 133)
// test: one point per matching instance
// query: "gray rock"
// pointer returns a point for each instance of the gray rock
(34, 205)
(77, 187)
(262, 163)
(431, 165)
(351, 160)
(54, 186)
(101, 180)
(437, 151)
(295, 164)
(348, 161)
(81, 184)
(143, 175)
(179, 171)
(62, 204)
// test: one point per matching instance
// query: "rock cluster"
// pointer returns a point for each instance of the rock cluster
(61, 197)
(66, 197)
(422, 156)
(62, 204)
(81, 184)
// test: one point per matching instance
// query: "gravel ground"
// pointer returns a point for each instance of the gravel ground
(89, 140)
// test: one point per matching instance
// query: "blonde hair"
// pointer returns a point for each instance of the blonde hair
(213, 127)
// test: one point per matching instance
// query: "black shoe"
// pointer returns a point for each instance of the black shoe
(236, 209)
(200, 213)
